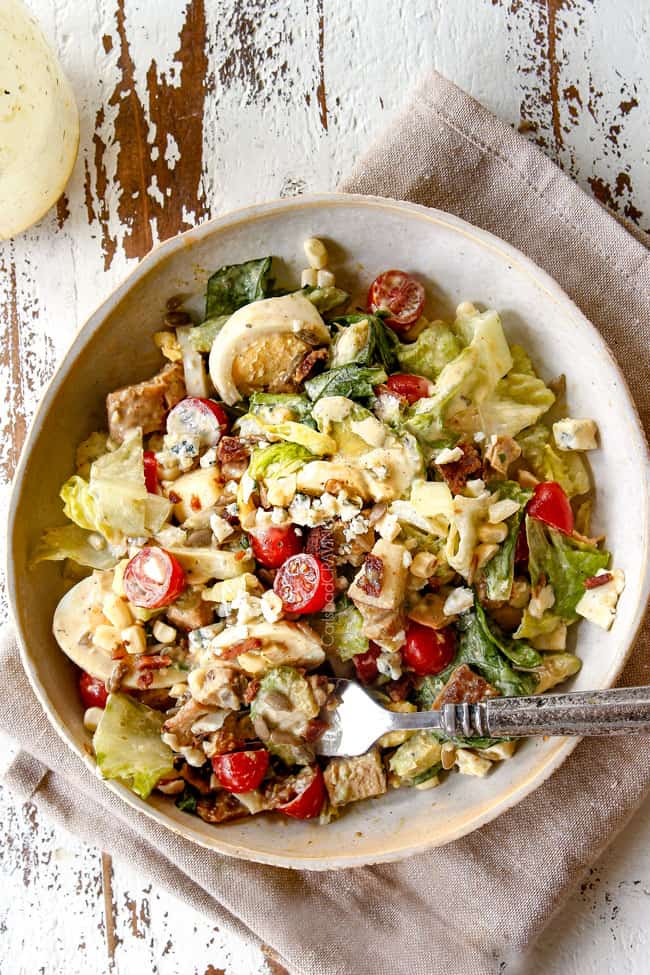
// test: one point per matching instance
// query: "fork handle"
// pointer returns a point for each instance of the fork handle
(620, 711)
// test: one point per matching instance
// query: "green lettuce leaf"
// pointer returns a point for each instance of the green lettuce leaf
(72, 542)
(128, 745)
(342, 630)
(353, 381)
(479, 649)
(380, 346)
(564, 563)
(435, 347)
(235, 285)
(520, 653)
(114, 501)
(499, 572)
(261, 404)
(202, 337)
(568, 467)
(278, 460)
(325, 299)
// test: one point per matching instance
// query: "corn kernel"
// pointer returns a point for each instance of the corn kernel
(316, 253)
(91, 718)
(309, 278)
(325, 279)
(117, 612)
(163, 633)
(134, 638)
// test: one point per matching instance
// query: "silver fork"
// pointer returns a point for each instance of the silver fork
(358, 721)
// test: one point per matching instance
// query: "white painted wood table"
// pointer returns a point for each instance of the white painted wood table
(193, 107)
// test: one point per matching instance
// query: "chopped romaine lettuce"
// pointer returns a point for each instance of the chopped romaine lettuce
(520, 653)
(518, 401)
(568, 468)
(299, 433)
(88, 451)
(72, 542)
(380, 346)
(434, 348)
(479, 649)
(278, 460)
(564, 563)
(235, 285)
(128, 745)
(499, 572)
(353, 381)
(263, 404)
(342, 630)
(555, 668)
(325, 299)
(202, 337)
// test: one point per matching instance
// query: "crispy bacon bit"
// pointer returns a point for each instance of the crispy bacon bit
(173, 497)
(460, 471)
(145, 679)
(221, 808)
(195, 503)
(152, 662)
(233, 734)
(119, 652)
(233, 455)
(464, 686)
(243, 554)
(315, 728)
(251, 691)
(308, 363)
(399, 690)
(321, 543)
(372, 577)
(595, 581)
(243, 646)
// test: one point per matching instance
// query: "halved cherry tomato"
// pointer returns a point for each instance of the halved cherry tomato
(428, 651)
(304, 583)
(412, 388)
(399, 294)
(273, 546)
(153, 578)
(241, 771)
(93, 691)
(551, 505)
(150, 471)
(365, 664)
(309, 800)
(197, 417)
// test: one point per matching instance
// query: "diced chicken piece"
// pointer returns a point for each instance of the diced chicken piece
(220, 685)
(464, 686)
(220, 808)
(381, 581)
(502, 451)
(181, 723)
(145, 404)
(384, 626)
(190, 611)
(429, 610)
(350, 779)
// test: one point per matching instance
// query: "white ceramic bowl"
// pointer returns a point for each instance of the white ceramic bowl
(365, 235)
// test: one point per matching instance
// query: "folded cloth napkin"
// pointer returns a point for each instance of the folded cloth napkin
(421, 915)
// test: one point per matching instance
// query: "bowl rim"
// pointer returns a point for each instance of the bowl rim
(84, 334)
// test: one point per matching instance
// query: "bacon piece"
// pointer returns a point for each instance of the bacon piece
(321, 542)
(595, 581)
(233, 455)
(242, 646)
(315, 728)
(251, 691)
(308, 364)
(464, 686)
(460, 471)
(152, 662)
(372, 577)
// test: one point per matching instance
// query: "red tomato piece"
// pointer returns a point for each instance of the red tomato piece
(198, 417)
(273, 546)
(428, 651)
(550, 504)
(150, 471)
(153, 578)
(411, 388)
(304, 583)
(365, 664)
(241, 771)
(521, 548)
(399, 294)
(93, 691)
(309, 800)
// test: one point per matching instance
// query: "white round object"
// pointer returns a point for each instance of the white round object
(455, 261)
(39, 122)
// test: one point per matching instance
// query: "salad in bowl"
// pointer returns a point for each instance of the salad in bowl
(316, 486)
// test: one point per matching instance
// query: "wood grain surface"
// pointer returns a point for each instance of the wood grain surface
(190, 108)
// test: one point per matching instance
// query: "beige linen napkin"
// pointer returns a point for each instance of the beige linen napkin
(466, 907)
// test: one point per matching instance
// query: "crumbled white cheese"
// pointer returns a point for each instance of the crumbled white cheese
(279, 516)
(448, 455)
(272, 609)
(390, 664)
(171, 536)
(501, 510)
(458, 601)
(247, 487)
(221, 529)
(281, 491)
(193, 756)
(231, 487)
(541, 601)
(209, 458)
(232, 510)
(248, 608)
(388, 527)
(599, 605)
(575, 434)
(210, 722)
(387, 408)
(475, 488)
(407, 558)
(357, 526)
(479, 437)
